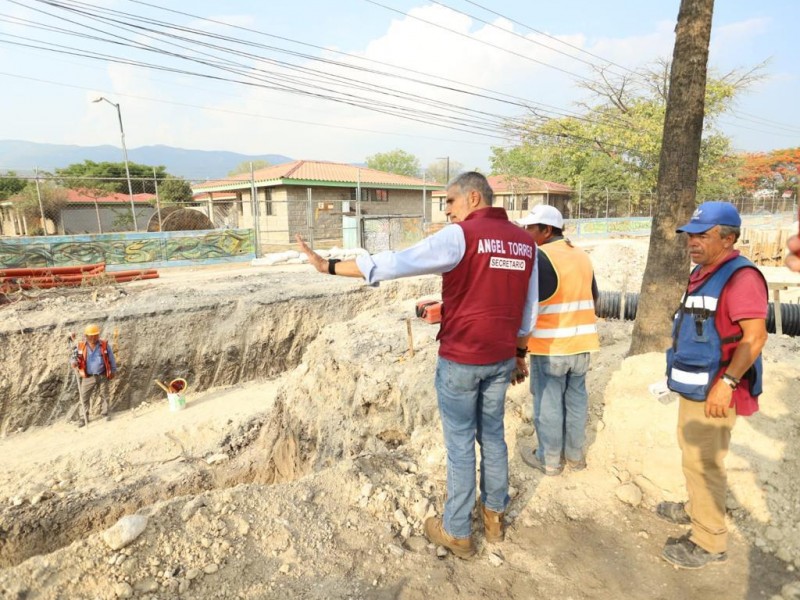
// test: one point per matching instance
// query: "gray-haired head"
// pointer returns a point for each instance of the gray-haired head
(726, 230)
(472, 180)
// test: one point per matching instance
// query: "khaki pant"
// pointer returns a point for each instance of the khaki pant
(94, 385)
(704, 444)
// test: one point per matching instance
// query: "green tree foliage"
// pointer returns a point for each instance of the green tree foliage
(437, 171)
(395, 161)
(614, 142)
(174, 190)
(244, 167)
(111, 177)
(10, 185)
(54, 198)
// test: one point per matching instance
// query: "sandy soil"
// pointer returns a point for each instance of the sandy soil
(314, 482)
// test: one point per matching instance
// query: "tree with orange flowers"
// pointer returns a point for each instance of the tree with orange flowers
(775, 170)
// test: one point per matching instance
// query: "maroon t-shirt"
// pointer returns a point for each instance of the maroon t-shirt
(743, 297)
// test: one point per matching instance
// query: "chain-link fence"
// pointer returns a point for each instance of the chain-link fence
(54, 205)
(327, 214)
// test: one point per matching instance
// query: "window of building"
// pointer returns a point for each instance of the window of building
(268, 211)
(512, 203)
(442, 203)
(371, 195)
(239, 203)
(524, 203)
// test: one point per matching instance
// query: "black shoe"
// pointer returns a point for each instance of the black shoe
(684, 553)
(529, 457)
(674, 512)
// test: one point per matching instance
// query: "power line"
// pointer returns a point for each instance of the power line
(493, 94)
(337, 79)
(578, 48)
(766, 122)
(342, 97)
(488, 127)
(484, 42)
(518, 35)
(782, 133)
(238, 112)
(389, 110)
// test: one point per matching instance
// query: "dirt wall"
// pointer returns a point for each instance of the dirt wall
(249, 329)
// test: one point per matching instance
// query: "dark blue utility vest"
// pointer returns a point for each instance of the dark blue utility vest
(698, 352)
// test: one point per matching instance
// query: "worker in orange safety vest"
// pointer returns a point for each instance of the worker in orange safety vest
(96, 365)
(560, 344)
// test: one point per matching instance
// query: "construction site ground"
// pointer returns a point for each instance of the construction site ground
(310, 453)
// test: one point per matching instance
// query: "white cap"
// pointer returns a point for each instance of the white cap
(543, 214)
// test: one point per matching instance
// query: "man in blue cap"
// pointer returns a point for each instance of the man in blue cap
(715, 365)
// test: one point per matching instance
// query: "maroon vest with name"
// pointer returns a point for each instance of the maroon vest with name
(484, 296)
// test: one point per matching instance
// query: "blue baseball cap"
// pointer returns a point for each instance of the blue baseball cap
(709, 214)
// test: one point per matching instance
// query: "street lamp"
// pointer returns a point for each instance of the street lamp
(125, 156)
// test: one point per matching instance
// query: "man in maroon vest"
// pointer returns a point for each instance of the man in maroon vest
(490, 295)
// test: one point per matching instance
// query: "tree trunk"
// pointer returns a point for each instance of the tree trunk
(667, 261)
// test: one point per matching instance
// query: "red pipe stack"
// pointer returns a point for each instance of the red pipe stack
(74, 276)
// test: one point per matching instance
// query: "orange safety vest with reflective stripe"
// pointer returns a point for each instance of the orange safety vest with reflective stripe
(566, 323)
(83, 354)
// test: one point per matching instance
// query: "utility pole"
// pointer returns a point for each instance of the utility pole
(447, 168)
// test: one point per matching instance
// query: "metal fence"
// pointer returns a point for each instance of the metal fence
(622, 203)
(336, 215)
(327, 215)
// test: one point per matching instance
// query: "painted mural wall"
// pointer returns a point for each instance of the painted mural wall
(129, 250)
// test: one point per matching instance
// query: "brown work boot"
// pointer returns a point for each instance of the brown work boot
(461, 547)
(493, 529)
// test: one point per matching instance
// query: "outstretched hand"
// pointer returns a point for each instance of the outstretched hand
(314, 259)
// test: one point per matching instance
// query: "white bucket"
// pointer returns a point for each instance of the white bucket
(176, 401)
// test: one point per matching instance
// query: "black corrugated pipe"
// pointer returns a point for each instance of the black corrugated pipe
(608, 307)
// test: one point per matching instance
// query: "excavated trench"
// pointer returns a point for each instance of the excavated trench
(211, 340)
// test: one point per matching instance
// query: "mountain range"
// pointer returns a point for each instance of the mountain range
(23, 157)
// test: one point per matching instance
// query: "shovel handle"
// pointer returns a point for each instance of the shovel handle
(162, 386)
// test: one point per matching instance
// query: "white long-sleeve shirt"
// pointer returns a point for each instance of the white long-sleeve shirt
(438, 253)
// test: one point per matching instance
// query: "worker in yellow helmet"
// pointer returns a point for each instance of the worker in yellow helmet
(94, 361)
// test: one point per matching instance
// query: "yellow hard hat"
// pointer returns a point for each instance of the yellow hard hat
(92, 330)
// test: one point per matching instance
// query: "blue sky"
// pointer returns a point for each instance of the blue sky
(48, 95)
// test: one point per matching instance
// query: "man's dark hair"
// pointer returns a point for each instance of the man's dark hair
(556, 231)
(472, 180)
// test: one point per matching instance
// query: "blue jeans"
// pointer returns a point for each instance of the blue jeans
(560, 406)
(472, 406)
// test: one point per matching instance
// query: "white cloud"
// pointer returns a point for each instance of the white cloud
(472, 55)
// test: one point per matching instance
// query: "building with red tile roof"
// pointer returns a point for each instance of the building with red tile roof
(318, 199)
(517, 195)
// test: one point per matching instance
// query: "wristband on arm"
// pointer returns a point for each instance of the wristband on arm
(332, 265)
(732, 381)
